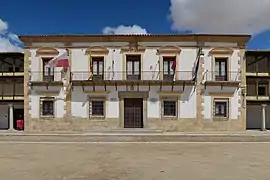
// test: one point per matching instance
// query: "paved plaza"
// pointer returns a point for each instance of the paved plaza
(68, 158)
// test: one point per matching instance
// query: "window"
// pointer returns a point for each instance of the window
(98, 68)
(133, 67)
(221, 69)
(15, 69)
(168, 71)
(169, 108)
(48, 72)
(221, 108)
(96, 107)
(262, 88)
(47, 107)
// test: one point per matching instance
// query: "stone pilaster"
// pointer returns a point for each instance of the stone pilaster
(199, 93)
(67, 87)
(242, 91)
(27, 107)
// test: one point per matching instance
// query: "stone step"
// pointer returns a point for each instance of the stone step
(124, 131)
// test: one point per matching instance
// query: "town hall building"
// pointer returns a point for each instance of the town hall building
(171, 83)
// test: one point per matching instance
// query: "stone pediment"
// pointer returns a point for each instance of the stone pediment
(133, 47)
(97, 50)
(47, 51)
(169, 50)
(221, 50)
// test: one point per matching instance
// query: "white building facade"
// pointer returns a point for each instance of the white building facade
(160, 82)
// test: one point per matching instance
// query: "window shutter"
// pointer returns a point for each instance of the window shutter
(90, 108)
(40, 107)
(136, 67)
(100, 68)
(129, 67)
(95, 67)
(228, 109)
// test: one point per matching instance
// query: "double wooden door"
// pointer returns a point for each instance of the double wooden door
(133, 113)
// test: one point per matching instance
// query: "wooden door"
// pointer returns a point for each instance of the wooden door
(133, 113)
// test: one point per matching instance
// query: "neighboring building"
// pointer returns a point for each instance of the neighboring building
(11, 89)
(258, 90)
(161, 82)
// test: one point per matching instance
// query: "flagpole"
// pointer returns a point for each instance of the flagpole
(91, 67)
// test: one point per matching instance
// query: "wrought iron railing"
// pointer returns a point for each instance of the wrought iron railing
(131, 76)
(231, 76)
(41, 76)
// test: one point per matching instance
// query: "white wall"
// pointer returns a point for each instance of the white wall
(208, 104)
(233, 64)
(80, 108)
(37, 65)
(38, 92)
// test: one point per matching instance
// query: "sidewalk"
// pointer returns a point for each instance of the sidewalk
(137, 133)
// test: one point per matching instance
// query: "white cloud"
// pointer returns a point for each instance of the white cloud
(6, 38)
(135, 29)
(221, 16)
(3, 26)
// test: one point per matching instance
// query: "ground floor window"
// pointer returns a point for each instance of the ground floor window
(221, 108)
(96, 107)
(47, 106)
(169, 107)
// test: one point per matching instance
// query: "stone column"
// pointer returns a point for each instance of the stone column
(11, 117)
(263, 117)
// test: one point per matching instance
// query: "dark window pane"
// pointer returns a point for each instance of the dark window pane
(169, 108)
(97, 108)
(47, 108)
(221, 109)
(262, 88)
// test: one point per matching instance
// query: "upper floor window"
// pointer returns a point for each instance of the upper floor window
(98, 68)
(221, 69)
(169, 64)
(262, 88)
(48, 72)
(133, 67)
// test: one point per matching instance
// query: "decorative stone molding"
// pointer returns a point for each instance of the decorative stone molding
(221, 94)
(132, 47)
(99, 50)
(221, 50)
(169, 50)
(45, 51)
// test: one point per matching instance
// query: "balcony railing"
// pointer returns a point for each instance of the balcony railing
(54, 76)
(131, 76)
(13, 73)
(216, 76)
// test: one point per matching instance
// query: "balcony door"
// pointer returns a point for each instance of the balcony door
(133, 67)
(221, 69)
(168, 72)
(48, 72)
(98, 68)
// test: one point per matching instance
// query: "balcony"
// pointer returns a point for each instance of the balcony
(131, 76)
(228, 78)
(146, 78)
(46, 78)
(11, 74)
(258, 90)
(11, 90)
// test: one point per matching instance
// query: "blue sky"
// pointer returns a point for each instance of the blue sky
(140, 16)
